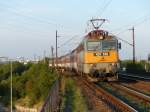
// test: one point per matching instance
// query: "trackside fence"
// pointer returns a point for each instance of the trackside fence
(52, 102)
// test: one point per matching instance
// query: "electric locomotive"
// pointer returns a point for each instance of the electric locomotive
(96, 57)
(100, 58)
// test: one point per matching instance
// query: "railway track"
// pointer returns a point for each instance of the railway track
(134, 77)
(112, 102)
(139, 95)
(137, 100)
(138, 87)
(140, 84)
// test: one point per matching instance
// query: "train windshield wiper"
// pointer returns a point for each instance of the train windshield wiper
(96, 48)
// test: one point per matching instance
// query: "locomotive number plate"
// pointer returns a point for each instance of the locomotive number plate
(102, 54)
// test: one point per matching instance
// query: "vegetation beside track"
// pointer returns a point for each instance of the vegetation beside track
(30, 82)
(17, 70)
(141, 67)
(72, 98)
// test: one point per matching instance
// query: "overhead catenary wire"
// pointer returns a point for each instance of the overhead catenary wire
(66, 42)
(137, 22)
(124, 41)
(22, 29)
(69, 40)
(20, 26)
(39, 20)
(71, 45)
(143, 21)
(42, 21)
(32, 17)
(105, 7)
(102, 8)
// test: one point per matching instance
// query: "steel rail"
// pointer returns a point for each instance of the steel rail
(133, 77)
(134, 93)
(135, 89)
(117, 103)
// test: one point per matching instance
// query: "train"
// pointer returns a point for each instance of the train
(96, 57)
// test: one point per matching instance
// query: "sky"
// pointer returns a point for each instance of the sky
(27, 27)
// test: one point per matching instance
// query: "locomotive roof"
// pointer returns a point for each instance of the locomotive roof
(96, 34)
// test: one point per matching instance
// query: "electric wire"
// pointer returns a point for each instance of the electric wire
(41, 20)
(105, 7)
(135, 23)
(66, 42)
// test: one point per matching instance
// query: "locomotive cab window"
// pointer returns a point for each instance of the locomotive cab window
(93, 46)
(109, 45)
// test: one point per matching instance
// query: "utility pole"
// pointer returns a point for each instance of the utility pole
(133, 44)
(44, 55)
(11, 83)
(34, 57)
(52, 50)
(39, 58)
(56, 49)
(148, 57)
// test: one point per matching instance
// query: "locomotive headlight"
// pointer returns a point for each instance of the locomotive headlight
(91, 64)
(101, 37)
(113, 64)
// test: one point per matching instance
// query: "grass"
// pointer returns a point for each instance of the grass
(73, 100)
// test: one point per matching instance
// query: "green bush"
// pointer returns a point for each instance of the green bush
(16, 68)
(31, 80)
(37, 82)
(135, 68)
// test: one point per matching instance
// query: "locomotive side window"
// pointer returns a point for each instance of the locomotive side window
(109, 45)
(93, 46)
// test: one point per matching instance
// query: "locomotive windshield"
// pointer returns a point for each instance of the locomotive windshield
(93, 46)
(109, 45)
(104, 45)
